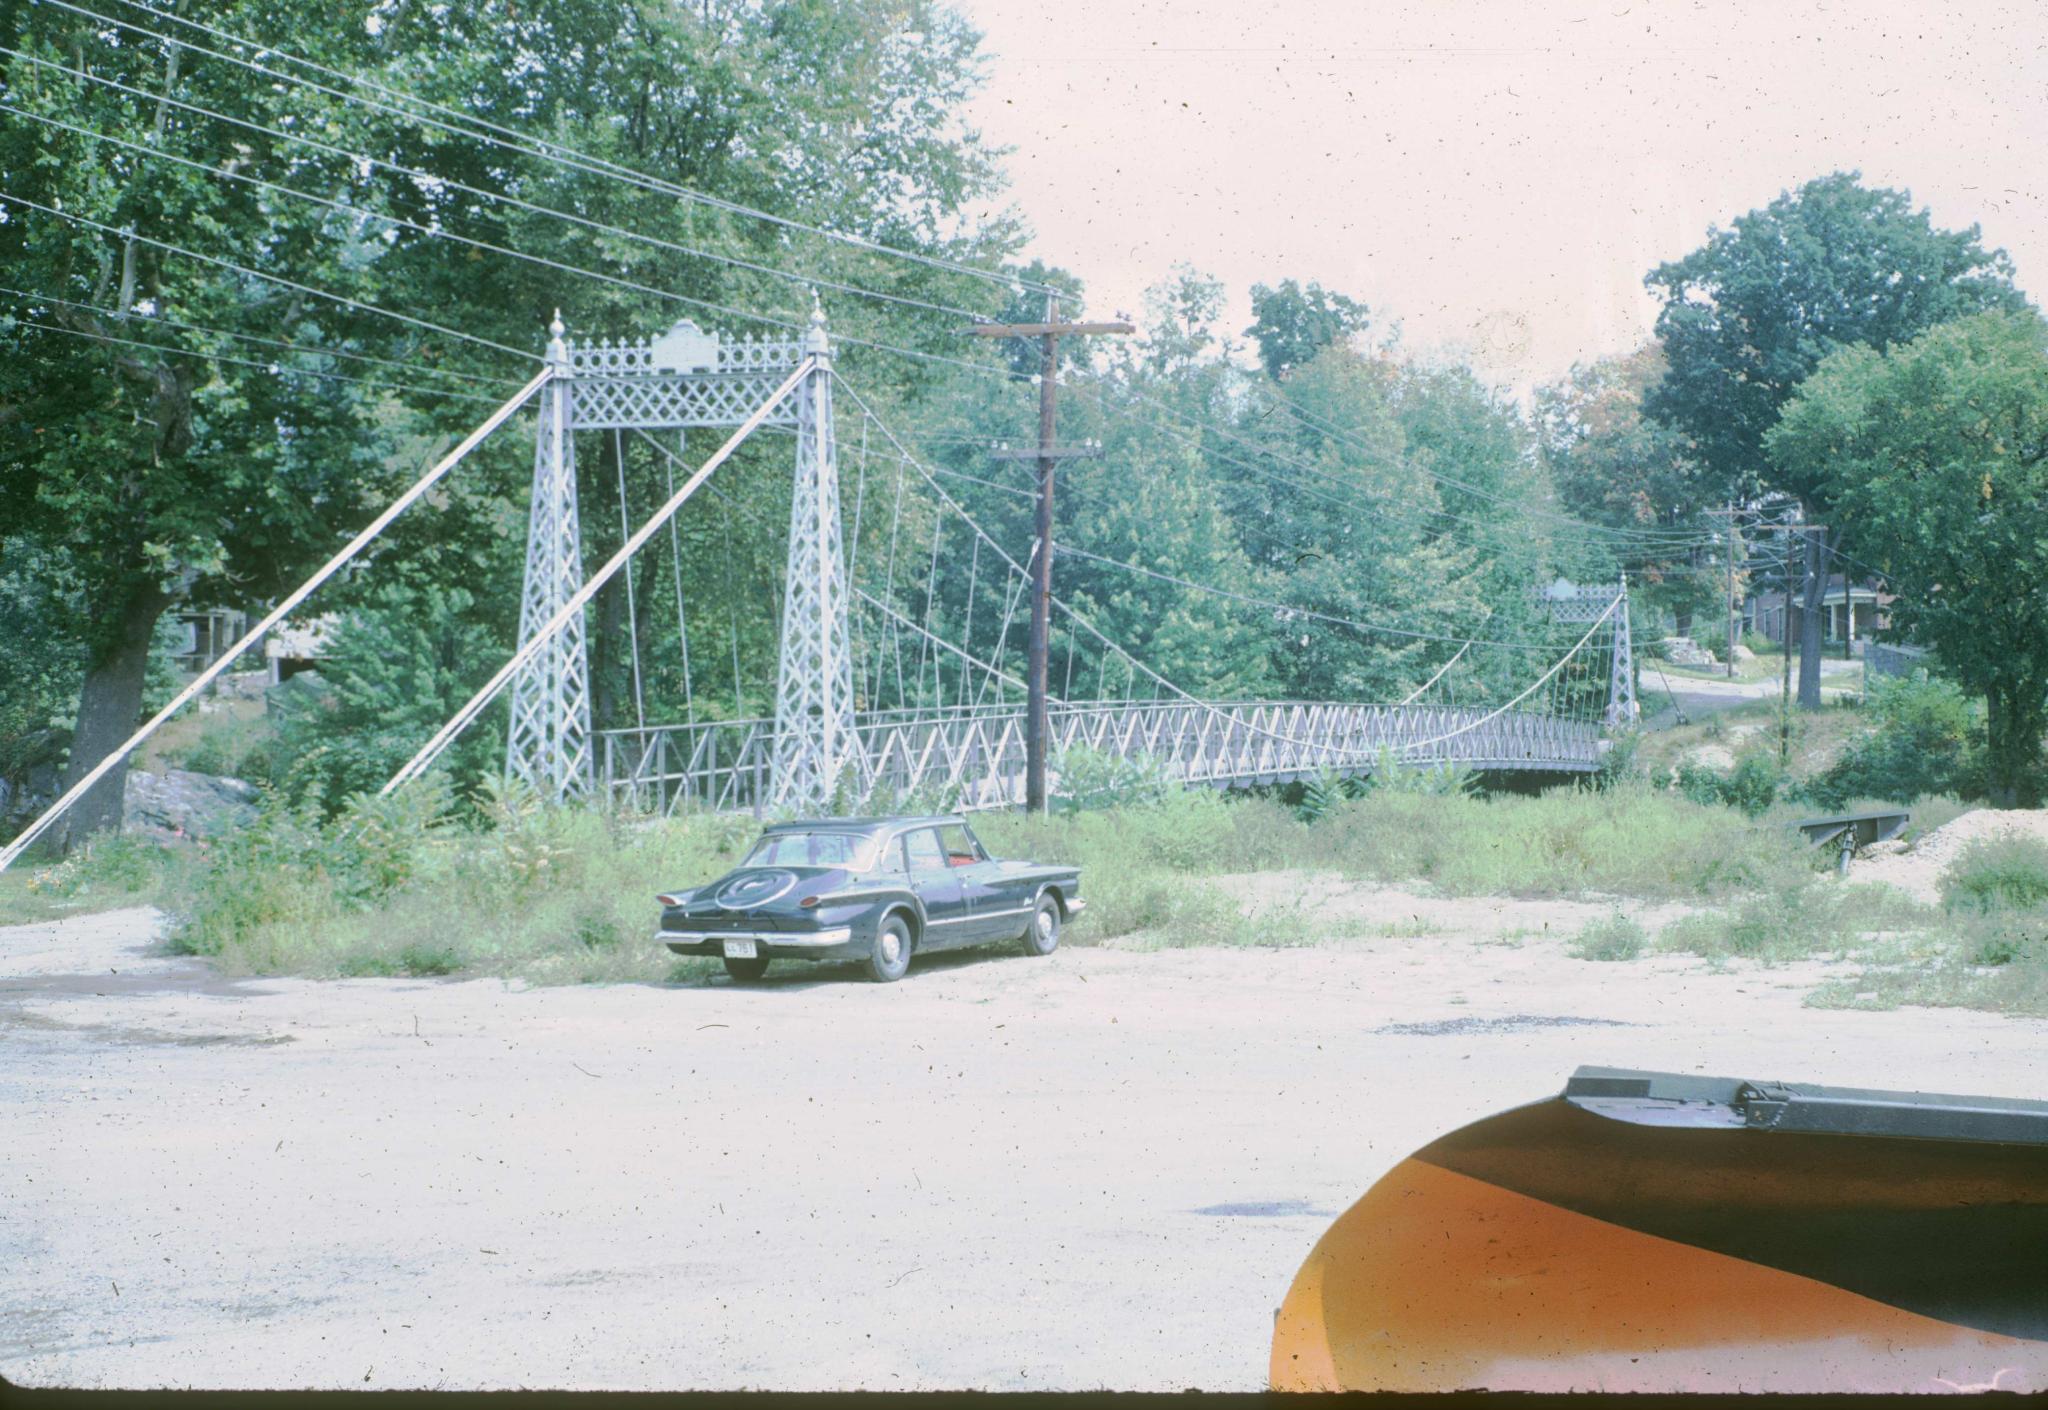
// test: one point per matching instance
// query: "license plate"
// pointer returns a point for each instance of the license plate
(739, 949)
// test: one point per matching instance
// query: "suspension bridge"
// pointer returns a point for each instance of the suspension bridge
(957, 737)
(953, 735)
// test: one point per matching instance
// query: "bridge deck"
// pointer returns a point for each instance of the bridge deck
(973, 758)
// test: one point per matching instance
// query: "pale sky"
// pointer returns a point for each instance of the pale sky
(1498, 175)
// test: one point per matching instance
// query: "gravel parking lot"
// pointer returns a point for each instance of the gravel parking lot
(1100, 1169)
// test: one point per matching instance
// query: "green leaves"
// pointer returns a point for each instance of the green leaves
(1904, 442)
(1752, 312)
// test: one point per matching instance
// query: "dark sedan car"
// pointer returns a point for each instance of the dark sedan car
(871, 889)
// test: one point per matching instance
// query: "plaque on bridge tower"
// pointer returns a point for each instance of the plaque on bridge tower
(685, 348)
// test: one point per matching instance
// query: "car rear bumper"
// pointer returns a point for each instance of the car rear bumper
(833, 942)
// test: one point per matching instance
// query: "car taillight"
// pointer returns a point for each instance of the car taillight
(670, 900)
(808, 902)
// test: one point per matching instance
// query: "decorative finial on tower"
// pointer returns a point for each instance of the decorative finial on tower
(558, 350)
(816, 343)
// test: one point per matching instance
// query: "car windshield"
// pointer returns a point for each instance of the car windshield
(852, 850)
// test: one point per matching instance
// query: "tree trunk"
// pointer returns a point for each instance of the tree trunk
(2015, 717)
(109, 709)
(1810, 622)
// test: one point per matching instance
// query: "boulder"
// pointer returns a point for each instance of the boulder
(1742, 653)
(177, 803)
(1684, 651)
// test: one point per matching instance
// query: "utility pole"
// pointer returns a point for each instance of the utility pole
(1805, 606)
(1728, 552)
(1037, 722)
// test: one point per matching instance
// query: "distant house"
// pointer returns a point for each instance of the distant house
(204, 635)
(292, 647)
(1851, 613)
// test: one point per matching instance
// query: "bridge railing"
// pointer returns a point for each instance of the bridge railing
(972, 757)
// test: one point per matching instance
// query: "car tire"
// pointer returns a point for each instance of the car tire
(889, 956)
(746, 971)
(1042, 936)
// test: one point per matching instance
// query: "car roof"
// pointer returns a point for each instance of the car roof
(867, 827)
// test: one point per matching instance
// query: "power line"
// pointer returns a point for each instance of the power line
(1646, 536)
(155, 319)
(1296, 610)
(565, 155)
(270, 367)
(273, 278)
(416, 174)
(637, 287)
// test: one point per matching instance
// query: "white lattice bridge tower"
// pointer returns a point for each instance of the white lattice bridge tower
(686, 378)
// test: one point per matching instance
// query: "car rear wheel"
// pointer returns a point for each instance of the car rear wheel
(1044, 935)
(889, 959)
(746, 971)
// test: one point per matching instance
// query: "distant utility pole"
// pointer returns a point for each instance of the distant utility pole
(1806, 605)
(1728, 552)
(1037, 723)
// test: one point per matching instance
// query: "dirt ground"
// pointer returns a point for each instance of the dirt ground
(1918, 870)
(1099, 1169)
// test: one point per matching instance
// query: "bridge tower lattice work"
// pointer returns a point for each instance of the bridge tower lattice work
(548, 745)
(687, 377)
(815, 744)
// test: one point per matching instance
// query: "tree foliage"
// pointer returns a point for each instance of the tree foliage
(169, 463)
(1750, 314)
(1618, 468)
(1937, 451)
(1292, 323)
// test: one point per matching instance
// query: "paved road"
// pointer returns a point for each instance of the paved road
(1099, 1169)
(1699, 697)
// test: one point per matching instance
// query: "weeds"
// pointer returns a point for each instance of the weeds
(1628, 840)
(2001, 874)
(105, 874)
(1796, 923)
(393, 887)
(1615, 938)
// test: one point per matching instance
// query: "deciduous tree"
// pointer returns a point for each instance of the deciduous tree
(1937, 451)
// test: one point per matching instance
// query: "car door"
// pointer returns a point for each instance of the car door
(990, 904)
(932, 878)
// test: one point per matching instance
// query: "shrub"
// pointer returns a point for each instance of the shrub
(2001, 874)
(1619, 762)
(396, 886)
(1752, 785)
(1087, 778)
(1927, 737)
(2005, 939)
(395, 670)
(1325, 791)
(1615, 938)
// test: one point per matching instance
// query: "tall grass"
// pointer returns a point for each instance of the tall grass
(1988, 950)
(397, 887)
(1998, 874)
(1815, 918)
(550, 894)
(1630, 840)
(105, 874)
